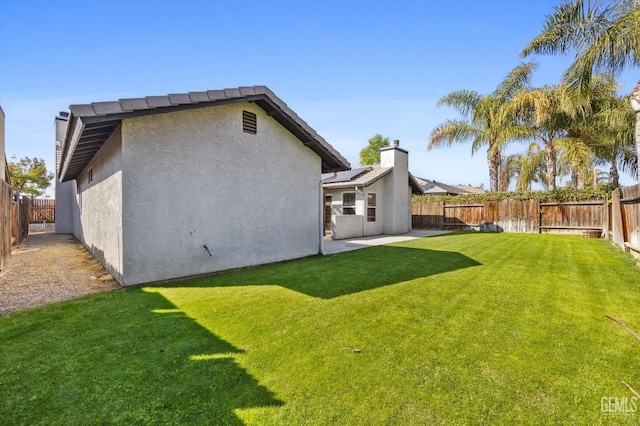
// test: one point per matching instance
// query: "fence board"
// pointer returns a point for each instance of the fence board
(43, 210)
(20, 220)
(427, 215)
(630, 212)
(572, 217)
(5, 223)
(529, 216)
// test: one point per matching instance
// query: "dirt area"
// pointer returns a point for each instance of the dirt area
(50, 268)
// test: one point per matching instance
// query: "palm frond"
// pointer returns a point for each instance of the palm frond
(516, 79)
(450, 132)
(463, 101)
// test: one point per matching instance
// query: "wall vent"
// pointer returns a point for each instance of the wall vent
(249, 122)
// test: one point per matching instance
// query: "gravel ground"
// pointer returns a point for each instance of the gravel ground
(49, 268)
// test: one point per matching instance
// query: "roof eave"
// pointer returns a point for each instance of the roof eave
(113, 113)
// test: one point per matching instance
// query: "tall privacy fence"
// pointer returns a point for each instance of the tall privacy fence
(42, 215)
(16, 217)
(615, 217)
(6, 221)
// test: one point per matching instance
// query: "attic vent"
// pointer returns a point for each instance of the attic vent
(249, 122)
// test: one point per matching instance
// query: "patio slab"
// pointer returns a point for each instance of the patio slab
(348, 244)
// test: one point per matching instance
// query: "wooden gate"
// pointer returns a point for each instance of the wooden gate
(43, 215)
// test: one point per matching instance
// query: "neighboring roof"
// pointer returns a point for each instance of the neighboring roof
(470, 189)
(416, 188)
(90, 125)
(363, 176)
(433, 187)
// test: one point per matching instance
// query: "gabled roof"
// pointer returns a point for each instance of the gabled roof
(363, 177)
(90, 125)
(470, 189)
(438, 188)
(344, 176)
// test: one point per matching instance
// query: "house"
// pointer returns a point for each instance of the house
(371, 200)
(165, 187)
(432, 187)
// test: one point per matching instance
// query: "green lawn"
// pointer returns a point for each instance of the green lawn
(466, 328)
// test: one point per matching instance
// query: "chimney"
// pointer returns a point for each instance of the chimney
(397, 192)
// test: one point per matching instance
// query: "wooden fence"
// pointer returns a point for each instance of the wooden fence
(6, 204)
(625, 219)
(43, 210)
(530, 216)
(20, 222)
(42, 216)
(617, 219)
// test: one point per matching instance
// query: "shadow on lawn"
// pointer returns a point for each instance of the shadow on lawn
(345, 273)
(218, 385)
(130, 359)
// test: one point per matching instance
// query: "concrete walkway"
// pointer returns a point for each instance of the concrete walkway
(348, 244)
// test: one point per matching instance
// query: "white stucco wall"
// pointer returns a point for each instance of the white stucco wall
(194, 178)
(66, 206)
(349, 226)
(97, 210)
(397, 203)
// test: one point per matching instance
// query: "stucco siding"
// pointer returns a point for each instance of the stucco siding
(97, 210)
(66, 206)
(194, 178)
(349, 226)
(397, 205)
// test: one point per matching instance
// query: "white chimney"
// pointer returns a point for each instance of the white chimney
(397, 192)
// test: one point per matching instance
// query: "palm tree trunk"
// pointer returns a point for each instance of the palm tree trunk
(551, 166)
(635, 105)
(574, 178)
(614, 176)
(494, 169)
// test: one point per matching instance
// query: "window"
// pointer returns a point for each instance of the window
(90, 175)
(371, 207)
(249, 122)
(348, 203)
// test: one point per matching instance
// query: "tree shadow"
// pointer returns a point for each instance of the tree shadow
(340, 274)
(133, 361)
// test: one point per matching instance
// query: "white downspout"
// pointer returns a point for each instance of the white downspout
(322, 212)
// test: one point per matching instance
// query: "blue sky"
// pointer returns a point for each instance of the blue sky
(350, 69)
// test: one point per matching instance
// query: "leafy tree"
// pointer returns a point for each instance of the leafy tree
(29, 176)
(604, 37)
(371, 153)
(485, 122)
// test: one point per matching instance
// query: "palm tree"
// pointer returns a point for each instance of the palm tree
(635, 107)
(615, 123)
(545, 110)
(605, 39)
(528, 167)
(564, 122)
(485, 124)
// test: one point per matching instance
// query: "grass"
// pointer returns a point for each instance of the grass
(465, 328)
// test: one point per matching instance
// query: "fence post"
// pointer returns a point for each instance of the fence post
(616, 219)
(605, 217)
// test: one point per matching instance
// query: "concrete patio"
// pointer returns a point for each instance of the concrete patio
(348, 244)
